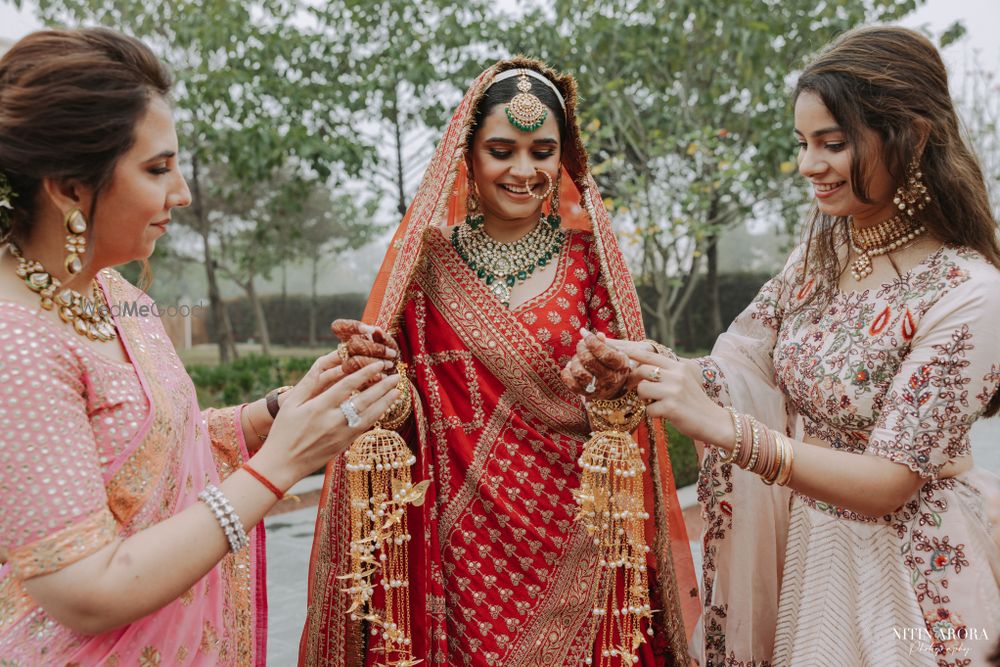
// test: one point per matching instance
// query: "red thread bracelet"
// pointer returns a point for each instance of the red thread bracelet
(265, 481)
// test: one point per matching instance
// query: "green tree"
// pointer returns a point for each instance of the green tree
(407, 63)
(255, 94)
(328, 225)
(688, 116)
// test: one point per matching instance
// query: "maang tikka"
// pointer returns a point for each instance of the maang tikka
(525, 111)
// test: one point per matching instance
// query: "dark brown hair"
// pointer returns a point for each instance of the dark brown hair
(69, 104)
(893, 81)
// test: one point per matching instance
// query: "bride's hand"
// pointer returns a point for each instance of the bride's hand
(597, 370)
(363, 343)
(672, 391)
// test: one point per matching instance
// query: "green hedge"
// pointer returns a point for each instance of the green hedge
(683, 457)
(246, 379)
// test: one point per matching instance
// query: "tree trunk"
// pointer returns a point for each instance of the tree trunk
(220, 315)
(258, 313)
(397, 125)
(284, 285)
(313, 302)
(712, 277)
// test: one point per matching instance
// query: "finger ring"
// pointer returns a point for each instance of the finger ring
(350, 413)
(589, 389)
(656, 374)
(343, 352)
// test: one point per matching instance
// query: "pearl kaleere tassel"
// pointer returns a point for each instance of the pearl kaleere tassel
(379, 491)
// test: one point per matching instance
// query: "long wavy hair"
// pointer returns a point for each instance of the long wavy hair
(893, 81)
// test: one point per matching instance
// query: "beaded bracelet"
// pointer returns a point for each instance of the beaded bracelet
(224, 513)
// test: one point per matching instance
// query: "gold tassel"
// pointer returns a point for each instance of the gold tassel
(611, 507)
(379, 490)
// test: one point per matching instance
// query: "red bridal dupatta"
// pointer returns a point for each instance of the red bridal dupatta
(500, 572)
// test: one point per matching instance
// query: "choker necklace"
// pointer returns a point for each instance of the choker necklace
(880, 239)
(503, 265)
(89, 317)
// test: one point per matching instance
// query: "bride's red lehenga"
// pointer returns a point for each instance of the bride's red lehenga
(500, 571)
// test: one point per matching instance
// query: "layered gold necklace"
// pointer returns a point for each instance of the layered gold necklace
(89, 317)
(503, 265)
(881, 239)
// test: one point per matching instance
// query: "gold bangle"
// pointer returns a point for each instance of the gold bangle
(401, 408)
(786, 475)
(738, 442)
(775, 460)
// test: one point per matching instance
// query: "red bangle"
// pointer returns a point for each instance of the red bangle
(265, 481)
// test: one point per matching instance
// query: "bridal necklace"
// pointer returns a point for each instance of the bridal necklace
(503, 265)
(89, 317)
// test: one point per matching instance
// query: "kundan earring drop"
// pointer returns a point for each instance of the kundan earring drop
(473, 216)
(76, 244)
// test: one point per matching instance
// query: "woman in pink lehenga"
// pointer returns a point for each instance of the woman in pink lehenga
(108, 557)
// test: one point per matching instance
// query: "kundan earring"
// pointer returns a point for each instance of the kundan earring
(554, 218)
(473, 216)
(911, 197)
(76, 244)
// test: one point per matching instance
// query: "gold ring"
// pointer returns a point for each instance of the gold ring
(343, 352)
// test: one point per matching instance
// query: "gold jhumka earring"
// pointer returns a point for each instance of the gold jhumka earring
(611, 507)
(380, 489)
(472, 212)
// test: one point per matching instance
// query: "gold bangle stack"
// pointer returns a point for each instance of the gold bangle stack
(770, 454)
(617, 414)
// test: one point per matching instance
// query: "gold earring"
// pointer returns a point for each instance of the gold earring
(76, 244)
(471, 198)
(911, 197)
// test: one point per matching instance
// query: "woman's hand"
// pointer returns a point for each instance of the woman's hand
(672, 391)
(311, 427)
(363, 343)
(597, 370)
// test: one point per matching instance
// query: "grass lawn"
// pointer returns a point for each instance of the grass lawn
(208, 353)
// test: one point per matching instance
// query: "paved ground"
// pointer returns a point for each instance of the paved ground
(289, 538)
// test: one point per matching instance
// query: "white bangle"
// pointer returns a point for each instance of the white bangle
(224, 513)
